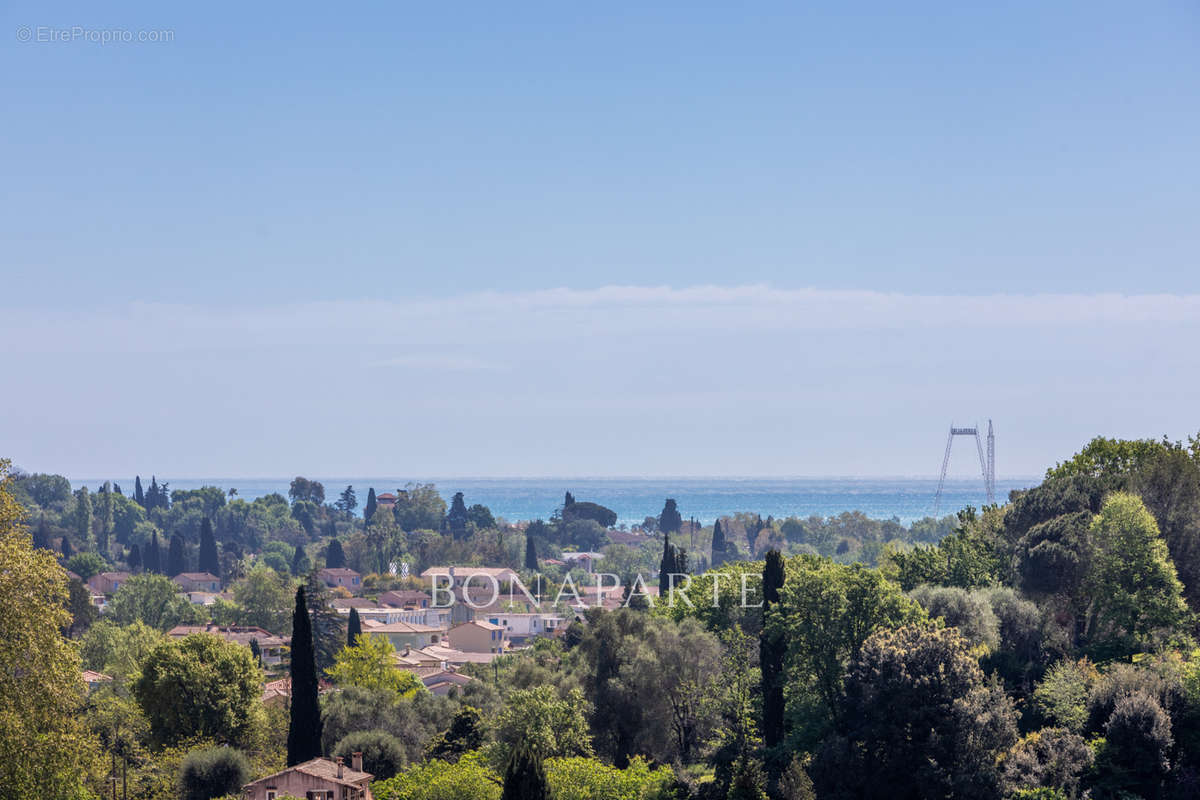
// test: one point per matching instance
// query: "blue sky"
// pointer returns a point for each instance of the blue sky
(311, 238)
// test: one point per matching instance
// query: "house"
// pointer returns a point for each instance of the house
(404, 598)
(341, 576)
(479, 577)
(279, 692)
(406, 634)
(107, 583)
(270, 646)
(95, 680)
(522, 626)
(478, 636)
(386, 501)
(585, 561)
(318, 779)
(347, 603)
(442, 681)
(198, 582)
(201, 598)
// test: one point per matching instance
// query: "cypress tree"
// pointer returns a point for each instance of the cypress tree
(772, 651)
(369, 508)
(299, 561)
(134, 558)
(665, 567)
(304, 729)
(139, 496)
(107, 515)
(208, 560)
(176, 558)
(456, 517)
(335, 556)
(83, 516)
(67, 552)
(531, 562)
(354, 628)
(718, 544)
(525, 777)
(152, 558)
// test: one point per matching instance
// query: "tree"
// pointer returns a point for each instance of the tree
(540, 719)
(214, 772)
(139, 496)
(1135, 758)
(353, 628)
(1050, 759)
(300, 562)
(328, 630)
(81, 520)
(382, 753)
(152, 558)
(666, 567)
(420, 507)
(369, 664)
(116, 650)
(718, 545)
(41, 535)
(304, 490)
(670, 520)
(1132, 582)
(531, 559)
(945, 742)
(347, 501)
(152, 599)
(65, 548)
(107, 517)
(772, 652)
(134, 558)
(304, 729)
(83, 611)
(371, 506)
(44, 751)
(456, 517)
(525, 777)
(208, 560)
(335, 556)
(176, 557)
(466, 733)
(264, 599)
(605, 517)
(481, 517)
(200, 686)
(85, 565)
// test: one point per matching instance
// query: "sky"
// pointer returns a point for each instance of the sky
(540, 239)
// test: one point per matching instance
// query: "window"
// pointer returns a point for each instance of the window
(270, 794)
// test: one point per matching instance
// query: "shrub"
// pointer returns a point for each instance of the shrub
(218, 771)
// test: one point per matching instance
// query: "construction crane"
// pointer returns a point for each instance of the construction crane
(987, 463)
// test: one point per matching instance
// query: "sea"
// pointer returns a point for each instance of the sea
(906, 499)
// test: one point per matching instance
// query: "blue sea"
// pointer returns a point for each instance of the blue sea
(706, 499)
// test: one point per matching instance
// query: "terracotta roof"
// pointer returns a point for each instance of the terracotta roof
(207, 577)
(91, 676)
(231, 633)
(487, 626)
(462, 572)
(405, 627)
(322, 768)
(342, 572)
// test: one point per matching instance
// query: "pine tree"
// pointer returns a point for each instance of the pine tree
(335, 556)
(152, 558)
(208, 559)
(304, 729)
(134, 558)
(354, 629)
(347, 501)
(176, 557)
(718, 544)
(139, 496)
(531, 561)
(772, 652)
(370, 507)
(525, 777)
